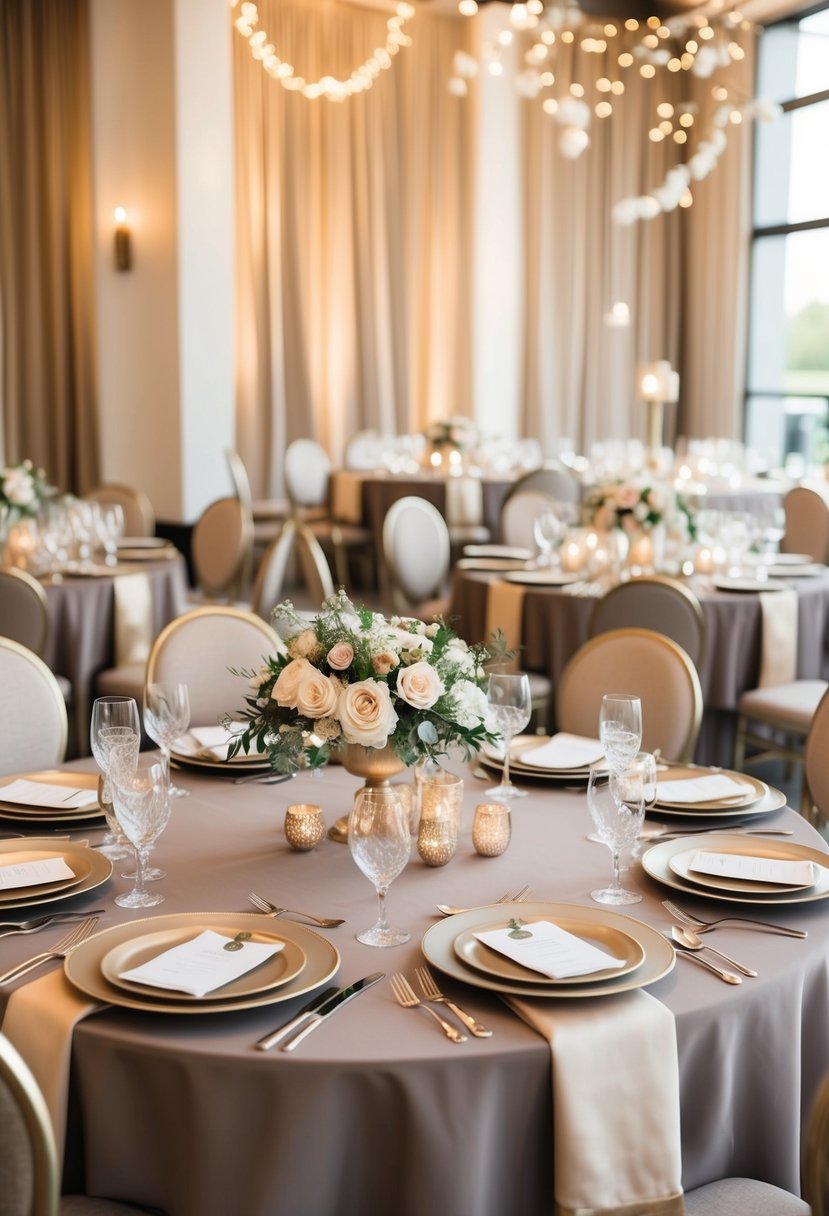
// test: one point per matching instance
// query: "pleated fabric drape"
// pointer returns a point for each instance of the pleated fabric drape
(48, 407)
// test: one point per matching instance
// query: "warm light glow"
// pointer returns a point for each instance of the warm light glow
(665, 109)
(603, 109)
(468, 8)
(120, 215)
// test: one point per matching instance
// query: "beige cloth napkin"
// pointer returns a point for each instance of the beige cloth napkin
(39, 1020)
(133, 618)
(778, 654)
(505, 611)
(347, 496)
(464, 502)
(615, 1104)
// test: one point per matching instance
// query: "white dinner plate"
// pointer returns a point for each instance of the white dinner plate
(725, 582)
(507, 551)
(790, 559)
(812, 570)
(496, 564)
(542, 578)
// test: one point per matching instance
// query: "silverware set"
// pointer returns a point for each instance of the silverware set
(406, 997)
(705, 926)
(42, 922)
(686, 939)
(61, 948)
(508, 898)
(264, 905)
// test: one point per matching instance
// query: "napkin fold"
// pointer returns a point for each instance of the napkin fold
(133, 618)
(211, 741)
(39, 1021)
(615, 1104)
(505, 611)
(464, 502)
(564, 751)
(40, 794)
(778, 649)
(709, 788)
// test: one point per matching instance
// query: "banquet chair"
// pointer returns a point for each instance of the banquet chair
(29, 1177)
(646, 664)
(202, 649)
(294, 539)
(268, 514)
(553, 479)
(307, 471)
(416, 550)
(654, 602)
(518, 516)
(744, 1197)
(815, 802)
(139, 516)
(33, 721)
(24, 616)
(221, 548)
(775, 721)
(807, 524)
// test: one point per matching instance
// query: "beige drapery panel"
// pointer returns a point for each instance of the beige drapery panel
(47, 369)
(354, 231)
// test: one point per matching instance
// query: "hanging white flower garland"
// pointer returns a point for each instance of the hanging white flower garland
(360, 79)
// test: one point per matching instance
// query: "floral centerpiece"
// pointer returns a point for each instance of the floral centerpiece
(460, 434)
(350, 676)
(23, 490)
(639, 507)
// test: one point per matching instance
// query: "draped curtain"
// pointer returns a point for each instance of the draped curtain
(48, 409)
(354, 236)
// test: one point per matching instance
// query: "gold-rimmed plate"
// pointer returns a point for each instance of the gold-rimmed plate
(738, 583)
(542, 578)
(755, 793)
(80, 867)
(682, 864)
(604, 937)
(256, 760)
(491, 759)
(90, 867)
(63, 778)
(656, 861)
(83, 965)
(774, 800)
(275, 971)
(438, 947)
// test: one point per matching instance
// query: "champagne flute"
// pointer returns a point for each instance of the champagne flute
(620, 728)
(380, 843)
(112, 714)
(166, 718)
(617, 807)
(510, 706)
(141, 799)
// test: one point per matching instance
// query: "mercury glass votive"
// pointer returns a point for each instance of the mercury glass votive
(304, 826)
(437, 840)
(491, 829)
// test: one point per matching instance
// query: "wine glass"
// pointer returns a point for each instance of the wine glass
(111, 715)
(617, 807)
(548, 529)
(510, 707)
(166, 718)
(647, 761)
(141, 799)
(380, 842)
(620, 728)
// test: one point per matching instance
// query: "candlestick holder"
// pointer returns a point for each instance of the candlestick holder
(491, 829)
(304, 826)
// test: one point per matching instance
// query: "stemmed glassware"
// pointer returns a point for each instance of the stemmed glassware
(380, 843)
(166, 718)
(141, 798)
(620, 728)
(510, 706)
(114, 720)
(617, 807)
(648, 764)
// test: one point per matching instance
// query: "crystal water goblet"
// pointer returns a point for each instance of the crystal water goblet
(380, 843)
(114, 719)
(141, 799)
(166, 718)
(620, 728)
(617, 808)
(510, 707)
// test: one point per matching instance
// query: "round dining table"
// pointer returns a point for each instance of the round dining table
(377, 1111)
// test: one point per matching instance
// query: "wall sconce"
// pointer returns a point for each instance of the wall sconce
(658, 387)
(123, 241)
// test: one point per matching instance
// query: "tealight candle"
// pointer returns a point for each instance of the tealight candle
(491, 829)
(304, 826)
(572, 557)
(641, 551)
(437, 841)
(441, 799)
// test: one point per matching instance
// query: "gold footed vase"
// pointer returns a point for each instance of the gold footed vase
(376, 765)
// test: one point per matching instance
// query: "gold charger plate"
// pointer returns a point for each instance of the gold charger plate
(80, 868)
(83, 965)
(165, 554)
(64, 778)
(92, 865)
(438, 947)
(241, 761)
(758, 790)
(681, 864)
(275, 971)
(542, 578)
(656, 861)
(489, 757)
(772, 801)
(606, 937)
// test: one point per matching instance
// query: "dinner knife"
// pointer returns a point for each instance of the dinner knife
(270, 1040)
(332, 1005)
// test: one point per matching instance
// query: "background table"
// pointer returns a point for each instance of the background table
(377, 1112)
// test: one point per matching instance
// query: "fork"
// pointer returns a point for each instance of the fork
(517, 898)
(405, 996)
(264, 905)
(40, 922)
(431, 992)
(60, 950)
(703, 926)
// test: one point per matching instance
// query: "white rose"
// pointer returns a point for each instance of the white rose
(419, 685)
(19, 488)
(317, 695)
(458, 655)
(366, 713)
(470, 704)
(288, 681)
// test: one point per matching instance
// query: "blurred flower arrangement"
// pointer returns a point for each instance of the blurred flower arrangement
(459, 433)
(23, 490)
(639, 507)
(351, 676)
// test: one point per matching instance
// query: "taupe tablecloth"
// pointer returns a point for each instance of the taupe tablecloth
(377, 1112)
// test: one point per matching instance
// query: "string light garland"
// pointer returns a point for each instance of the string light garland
(334, 89)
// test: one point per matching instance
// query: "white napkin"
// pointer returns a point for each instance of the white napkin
(202, 964)
(464, 502)
(755, 869)
(33, 873)
(39, 794)
(778, 656)
(133, 618)
(549, 949)
(209, 741)
(709, 788)
(564, 751)
(615, 1084)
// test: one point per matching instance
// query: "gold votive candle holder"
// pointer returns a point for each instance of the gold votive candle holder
(437, 841)
(304, 826)
(491, 829)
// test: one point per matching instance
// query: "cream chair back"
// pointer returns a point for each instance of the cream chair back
(239, 477)
(28, 1160)
(270, 579)
(645, 664)
(518, 516)
(139, 516)
(202, 649)
(553, 479)
(33, 723)
(307, 469)
(24, 609)
(816, 759)
(807, 524)
(221, 545)
(416, 551)
(654, 602)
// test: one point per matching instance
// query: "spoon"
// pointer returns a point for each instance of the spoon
(691, 941)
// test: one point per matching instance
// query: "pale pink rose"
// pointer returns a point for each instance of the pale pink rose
(419, 685)
(384, 662)
(288, 681)
(340, 656)
(317, 695)
(628, 496)
(366, 713)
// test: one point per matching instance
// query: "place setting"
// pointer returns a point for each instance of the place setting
(559, 757)
(49, 798)
(41, 871)
(694, 792)
(205, 747)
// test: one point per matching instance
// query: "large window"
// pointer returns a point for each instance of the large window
(787, 401)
